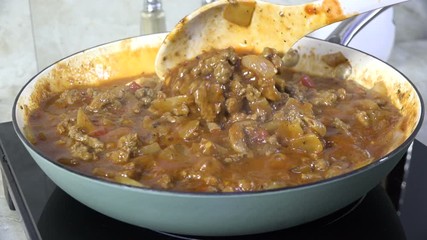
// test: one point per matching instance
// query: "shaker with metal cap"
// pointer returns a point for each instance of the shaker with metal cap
(152, 17)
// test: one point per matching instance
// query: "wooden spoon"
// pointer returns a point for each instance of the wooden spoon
(252, 25)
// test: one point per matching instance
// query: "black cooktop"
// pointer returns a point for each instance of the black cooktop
(395, 209)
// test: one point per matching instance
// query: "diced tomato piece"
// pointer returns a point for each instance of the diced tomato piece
(307, 81)
(99, 131)
(133, 86)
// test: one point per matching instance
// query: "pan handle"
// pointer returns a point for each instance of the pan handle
(348, 28)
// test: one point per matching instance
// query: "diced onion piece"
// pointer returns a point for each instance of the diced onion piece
(151, 148)
(291, 58)
(240, 13)
(163, 105)
(237, 138)
(29, 134)
(213, 127)
(316, 125)
(269, 90)
(290, 130)
(271, 93)
(334, 59)
(366, 104)
(69, 161)
(259, 65)
(83, 121)
(309, 143)
(343, 71)
(128, 181)
(209, 108)
(260, 106)
(188, 129)
(271, 126)
(280, 83)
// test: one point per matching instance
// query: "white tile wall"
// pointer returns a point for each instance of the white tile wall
(17, 65)
(67, 26)
(17, 57)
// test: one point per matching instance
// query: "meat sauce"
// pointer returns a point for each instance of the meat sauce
(222, 122)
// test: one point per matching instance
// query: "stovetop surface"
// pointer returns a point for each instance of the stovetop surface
(50, 213)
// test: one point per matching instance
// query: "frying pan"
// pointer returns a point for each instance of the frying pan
(216, 214)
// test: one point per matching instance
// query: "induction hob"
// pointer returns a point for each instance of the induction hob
(395, 209)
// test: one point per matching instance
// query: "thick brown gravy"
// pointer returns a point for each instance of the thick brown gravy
(222, 122)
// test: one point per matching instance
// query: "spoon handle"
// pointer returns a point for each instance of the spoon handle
(353, 7)
(348, 28)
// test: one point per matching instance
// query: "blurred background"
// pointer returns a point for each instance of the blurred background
(37, 33)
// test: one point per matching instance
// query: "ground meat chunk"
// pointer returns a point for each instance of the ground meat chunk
(341, 93)
(81, 151)
(327, 97)
(84, 146)
(233, 105)
(295, 92)
(252, 93)
(209, 99)
(104, 99)
(75, 134)
(182, 110)
(119, 156)
(131, 170)
(273, 55)
(220, 66)
(237, 88)
(129, 142)
(223, 72)
(64, 125)
(145, 95)
(127, 148)
(164, 181)
(74, 96)
(339, 124)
